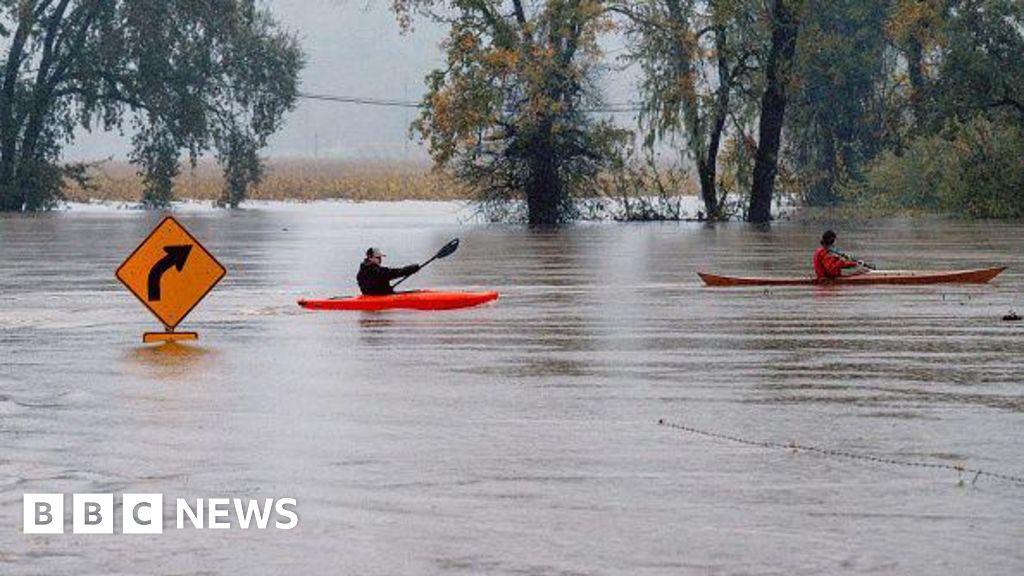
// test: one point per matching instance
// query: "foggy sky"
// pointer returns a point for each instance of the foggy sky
(353, 48)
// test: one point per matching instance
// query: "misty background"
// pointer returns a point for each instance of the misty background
(354, 49)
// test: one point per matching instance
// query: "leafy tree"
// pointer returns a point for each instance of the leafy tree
(703, 62)
(186, 75)
(964, 158)
(982, 69)
(917, 28)
(508, 113)
(696, 57)
(968, 169)
(835, 124)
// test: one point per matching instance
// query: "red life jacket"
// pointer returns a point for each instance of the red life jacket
(829, 265)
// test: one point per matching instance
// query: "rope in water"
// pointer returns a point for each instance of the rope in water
(794, 446)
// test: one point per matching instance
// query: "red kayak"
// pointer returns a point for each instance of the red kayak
(419, 300)
(874, 277)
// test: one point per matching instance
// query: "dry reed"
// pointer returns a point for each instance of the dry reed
(286, 179)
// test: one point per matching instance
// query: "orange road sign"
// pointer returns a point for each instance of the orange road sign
(170, 272)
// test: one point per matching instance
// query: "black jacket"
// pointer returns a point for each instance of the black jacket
(375, 280)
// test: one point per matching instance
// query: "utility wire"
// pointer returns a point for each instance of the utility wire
(388, 103)
(358, 100)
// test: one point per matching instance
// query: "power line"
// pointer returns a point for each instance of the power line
(388, 103)
(359, 100)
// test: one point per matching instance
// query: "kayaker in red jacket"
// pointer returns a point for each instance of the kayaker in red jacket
(827, 262)
(374, 279)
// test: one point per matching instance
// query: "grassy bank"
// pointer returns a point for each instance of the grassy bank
(286, 179)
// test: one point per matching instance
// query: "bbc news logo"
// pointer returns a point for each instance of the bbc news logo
(144, 513)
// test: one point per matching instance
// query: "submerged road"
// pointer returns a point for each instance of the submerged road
(520, 437)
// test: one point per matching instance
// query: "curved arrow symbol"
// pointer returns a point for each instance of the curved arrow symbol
(176, 256)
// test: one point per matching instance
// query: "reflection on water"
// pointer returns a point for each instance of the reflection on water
(520, 437)
(375, 321)
(168, 360)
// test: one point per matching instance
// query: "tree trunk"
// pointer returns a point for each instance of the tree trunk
(915, 70)
(544, 189)
(785, 25)
(708, 190)
(707, 168)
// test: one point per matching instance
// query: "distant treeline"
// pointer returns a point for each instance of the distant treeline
(893, 104)
(886, 105)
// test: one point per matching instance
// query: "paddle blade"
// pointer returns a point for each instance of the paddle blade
(448, 249)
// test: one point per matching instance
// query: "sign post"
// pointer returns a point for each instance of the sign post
(170, 272)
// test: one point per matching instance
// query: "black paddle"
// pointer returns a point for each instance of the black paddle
(448, 250)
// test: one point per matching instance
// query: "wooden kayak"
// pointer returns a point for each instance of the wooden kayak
(418, 300)
(874, 277)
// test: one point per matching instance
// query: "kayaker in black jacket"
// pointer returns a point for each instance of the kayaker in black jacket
(374, 279)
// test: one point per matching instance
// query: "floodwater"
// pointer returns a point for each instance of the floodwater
(520, 437)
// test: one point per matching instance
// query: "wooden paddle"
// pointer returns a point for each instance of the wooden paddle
(852, 259)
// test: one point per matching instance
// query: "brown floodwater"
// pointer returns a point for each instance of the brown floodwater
(520, 437)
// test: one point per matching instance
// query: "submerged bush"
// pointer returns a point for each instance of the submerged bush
(971, 170)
